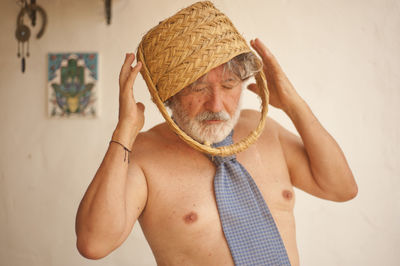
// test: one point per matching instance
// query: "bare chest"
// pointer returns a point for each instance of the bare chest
(181, 203)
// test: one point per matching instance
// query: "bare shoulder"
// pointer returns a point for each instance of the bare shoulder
(148, 142)
(249, 120)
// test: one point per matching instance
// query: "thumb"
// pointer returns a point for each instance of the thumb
(140, 106)
(254, 88)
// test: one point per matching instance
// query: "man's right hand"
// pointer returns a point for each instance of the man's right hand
(131, 114)
(118, 192)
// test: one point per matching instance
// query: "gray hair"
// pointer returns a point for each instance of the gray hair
(244, 65)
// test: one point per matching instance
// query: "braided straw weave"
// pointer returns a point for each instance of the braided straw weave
(183, 48)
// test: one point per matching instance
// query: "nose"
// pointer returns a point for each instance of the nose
(215, 100)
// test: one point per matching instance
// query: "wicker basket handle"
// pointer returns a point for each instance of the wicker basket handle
(220, 151)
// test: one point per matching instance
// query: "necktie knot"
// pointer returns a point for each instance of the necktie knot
(218, 160)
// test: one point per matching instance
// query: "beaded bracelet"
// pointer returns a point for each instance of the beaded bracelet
(125, 148)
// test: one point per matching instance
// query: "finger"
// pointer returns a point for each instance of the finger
(258, 49)
(129, 58)
(270, 62)
(254, 88)
(126, 66)
(132, 76)
(263, 51)
(140, 106)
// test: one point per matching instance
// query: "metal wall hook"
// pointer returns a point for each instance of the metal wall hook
(28, 9)
(23, 33)
(107, 5)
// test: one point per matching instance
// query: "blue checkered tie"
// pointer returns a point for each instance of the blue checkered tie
(248, 225)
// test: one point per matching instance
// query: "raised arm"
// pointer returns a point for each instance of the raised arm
(117, 194)
(316, 163)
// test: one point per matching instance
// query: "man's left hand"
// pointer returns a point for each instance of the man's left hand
(281, 92)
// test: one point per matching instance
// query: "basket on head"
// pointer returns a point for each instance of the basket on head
(184, 47)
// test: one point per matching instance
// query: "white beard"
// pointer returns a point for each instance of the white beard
(198, 128)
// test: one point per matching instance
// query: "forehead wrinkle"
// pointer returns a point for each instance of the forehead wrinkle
(225, 75)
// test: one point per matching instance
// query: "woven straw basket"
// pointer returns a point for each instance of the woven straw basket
(183, 48)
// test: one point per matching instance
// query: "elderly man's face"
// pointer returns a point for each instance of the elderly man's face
(208, 109)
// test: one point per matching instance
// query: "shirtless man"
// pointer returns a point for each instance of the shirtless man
(168, 186)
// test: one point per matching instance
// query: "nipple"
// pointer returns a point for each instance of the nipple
(287, 194)
(190, 218)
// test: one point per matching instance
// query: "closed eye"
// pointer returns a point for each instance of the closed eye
(230, 84)
(198, 88)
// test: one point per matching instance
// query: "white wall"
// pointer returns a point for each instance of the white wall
(342, 56)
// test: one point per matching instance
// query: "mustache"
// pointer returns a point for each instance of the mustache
(206, 116)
